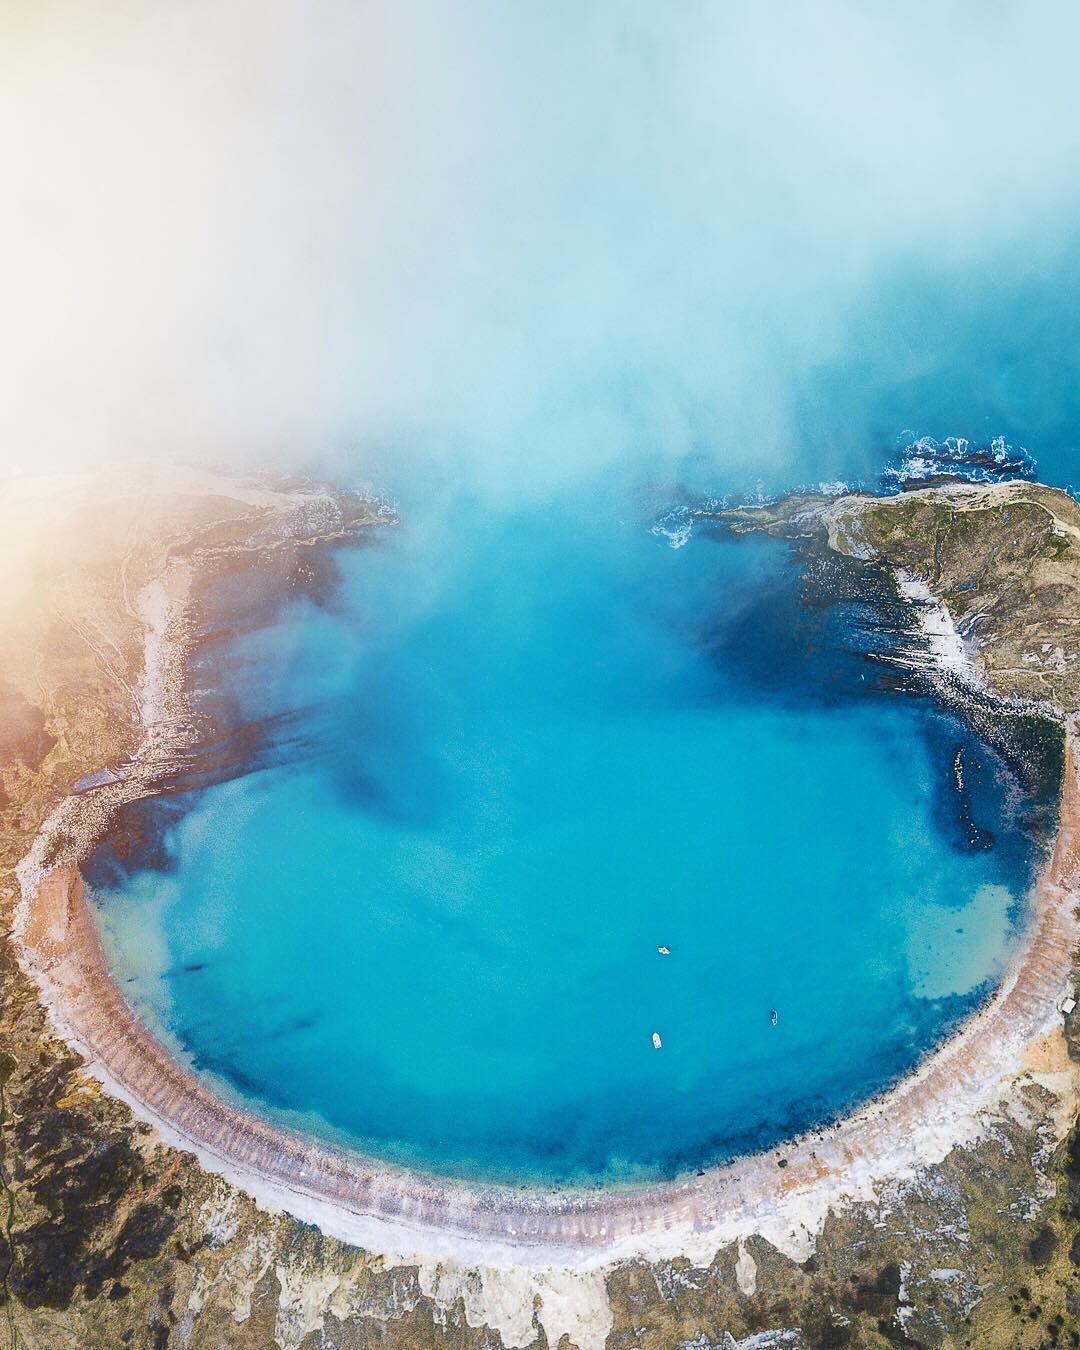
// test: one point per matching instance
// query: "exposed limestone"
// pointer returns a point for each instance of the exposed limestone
(1003, 560)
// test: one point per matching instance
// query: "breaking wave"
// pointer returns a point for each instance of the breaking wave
(957, 457)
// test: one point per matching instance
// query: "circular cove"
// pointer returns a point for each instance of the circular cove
(501, 764)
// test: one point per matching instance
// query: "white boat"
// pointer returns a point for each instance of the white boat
(664, 951)
(656, 1041)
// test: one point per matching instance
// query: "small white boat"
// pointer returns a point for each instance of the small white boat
(664, 951)
(774, 1017)
(657, 1043)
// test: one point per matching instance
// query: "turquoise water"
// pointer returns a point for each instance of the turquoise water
(544, 254)
(469, 791)
(524, 749)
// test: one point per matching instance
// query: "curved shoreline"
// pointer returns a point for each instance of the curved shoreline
(405, 1213)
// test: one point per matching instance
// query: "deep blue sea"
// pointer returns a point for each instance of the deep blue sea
(507, 756)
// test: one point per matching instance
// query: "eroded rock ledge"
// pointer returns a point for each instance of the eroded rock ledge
(968, 1235)
(1003, 560)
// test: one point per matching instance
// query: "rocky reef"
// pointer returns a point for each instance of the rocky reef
(110, 1236)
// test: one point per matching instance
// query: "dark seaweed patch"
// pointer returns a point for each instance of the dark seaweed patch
(825, 630)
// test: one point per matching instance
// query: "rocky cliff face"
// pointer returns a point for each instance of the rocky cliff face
(1003, 559)
(110, 1238)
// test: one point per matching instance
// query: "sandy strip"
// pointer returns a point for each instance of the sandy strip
(408, 1216)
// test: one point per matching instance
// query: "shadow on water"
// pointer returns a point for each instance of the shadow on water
(825, 630)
